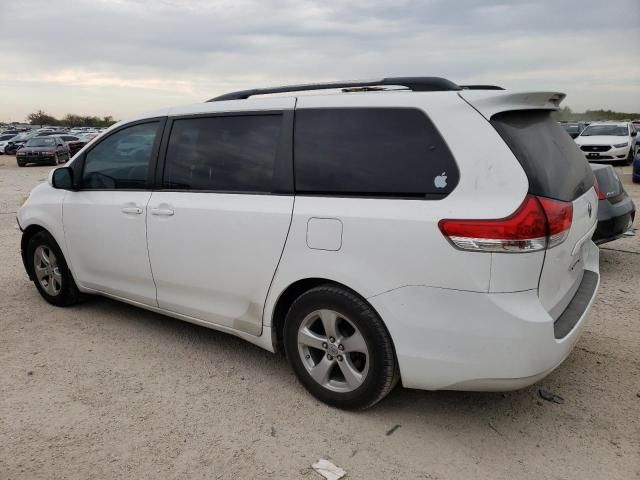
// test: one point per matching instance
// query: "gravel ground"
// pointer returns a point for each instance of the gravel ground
(106, 390)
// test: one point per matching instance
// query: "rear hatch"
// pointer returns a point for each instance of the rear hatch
(556, 169)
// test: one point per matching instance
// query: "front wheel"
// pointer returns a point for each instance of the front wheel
(49, 271)
(339, 348)
(21, 164)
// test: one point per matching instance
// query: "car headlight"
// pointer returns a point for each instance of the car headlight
(620, 145)
(20, 153)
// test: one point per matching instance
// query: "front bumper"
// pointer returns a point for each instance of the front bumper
(36, 158)
(611, 154)
(460, 340)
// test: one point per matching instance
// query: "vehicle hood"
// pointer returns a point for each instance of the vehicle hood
(600, 140)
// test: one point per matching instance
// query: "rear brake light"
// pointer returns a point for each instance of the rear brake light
(601, 195)
(537, 224)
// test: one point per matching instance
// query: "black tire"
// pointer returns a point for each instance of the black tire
(68, 293)
(382, 373)
(21, 164)
(629, 159)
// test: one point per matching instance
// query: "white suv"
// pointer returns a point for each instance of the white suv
(608, 141)
(364, 233)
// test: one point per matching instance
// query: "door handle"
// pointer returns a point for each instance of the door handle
(136, 210)
(164, 212)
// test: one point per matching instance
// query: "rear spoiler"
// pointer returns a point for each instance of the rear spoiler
(490, 102)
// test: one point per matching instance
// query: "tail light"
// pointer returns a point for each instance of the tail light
(538, 223)
(601, 195)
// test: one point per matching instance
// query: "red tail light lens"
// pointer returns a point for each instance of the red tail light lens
(537, 224)
(601, 195)
(559, 215)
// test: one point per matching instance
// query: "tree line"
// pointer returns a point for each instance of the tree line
(567, 114)
(69, 120)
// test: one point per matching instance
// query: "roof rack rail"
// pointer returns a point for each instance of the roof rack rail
(481, 87)
(416, 84)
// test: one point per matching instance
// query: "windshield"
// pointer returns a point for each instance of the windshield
(613, 130)
(7, 137)
(41, 142)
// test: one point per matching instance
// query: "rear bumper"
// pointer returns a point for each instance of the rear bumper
(459, 340)
(613, 220)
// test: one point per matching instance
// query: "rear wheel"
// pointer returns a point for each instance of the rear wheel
(49, 271)
(339, 348)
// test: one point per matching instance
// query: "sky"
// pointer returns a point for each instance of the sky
(124, 57)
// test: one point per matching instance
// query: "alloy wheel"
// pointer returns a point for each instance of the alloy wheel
(333, 350)
(47, 270)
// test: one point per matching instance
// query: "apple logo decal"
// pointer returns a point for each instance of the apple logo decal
(441, 180)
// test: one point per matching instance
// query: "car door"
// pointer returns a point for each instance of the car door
(105, 219)
(219, 220)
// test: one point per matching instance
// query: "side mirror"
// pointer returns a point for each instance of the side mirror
(62, 178)
(634, 133)
(61, 144)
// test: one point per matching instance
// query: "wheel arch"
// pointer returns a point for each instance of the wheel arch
(27, 235)
(293, 291)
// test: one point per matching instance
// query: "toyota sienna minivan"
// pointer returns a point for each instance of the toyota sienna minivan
(397, 230)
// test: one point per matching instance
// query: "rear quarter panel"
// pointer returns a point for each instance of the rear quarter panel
(391, 243)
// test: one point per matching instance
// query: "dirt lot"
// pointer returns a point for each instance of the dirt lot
(106, 390)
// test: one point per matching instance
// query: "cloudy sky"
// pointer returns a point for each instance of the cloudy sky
(121, 57)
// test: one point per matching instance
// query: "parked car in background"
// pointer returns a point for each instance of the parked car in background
(87, 137)
(608, 141)
(15, 144)
(616, 210)
(573, 128)
(4, 141)
(73, 142)
(48, 150)
(357, 232)
(635, 173)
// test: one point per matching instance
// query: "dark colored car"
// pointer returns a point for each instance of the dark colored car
(616, 210)
(74, 143)
(635, 175)
(13, 146)
(48, 150)
(573, 129)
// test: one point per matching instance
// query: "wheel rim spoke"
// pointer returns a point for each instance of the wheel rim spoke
(311, 339)
(329, 319)
(321, 371)
(354, 343)
(351, 375)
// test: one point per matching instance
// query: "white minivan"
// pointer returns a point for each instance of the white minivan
(403, 229)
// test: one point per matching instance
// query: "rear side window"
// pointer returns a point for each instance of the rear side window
(371, 152)
(223, 154)
(552, 161)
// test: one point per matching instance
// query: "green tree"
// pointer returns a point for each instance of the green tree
(42, 118)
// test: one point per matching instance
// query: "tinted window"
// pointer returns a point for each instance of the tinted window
(371, 151)
(120, 161)
(552, 161)
(225, 154)
(41, 142)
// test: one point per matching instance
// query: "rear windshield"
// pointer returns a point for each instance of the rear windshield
(552, 161)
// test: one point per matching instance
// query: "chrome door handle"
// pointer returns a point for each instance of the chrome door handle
(136, 210)
(164, 212)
